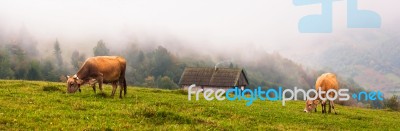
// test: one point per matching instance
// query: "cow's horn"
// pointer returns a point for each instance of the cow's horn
(75, 76)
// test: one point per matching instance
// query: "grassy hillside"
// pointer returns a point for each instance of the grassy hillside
(46, 106)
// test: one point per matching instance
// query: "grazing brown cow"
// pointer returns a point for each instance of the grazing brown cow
(326, 82)
(100, 69)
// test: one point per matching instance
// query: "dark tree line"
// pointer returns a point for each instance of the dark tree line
(156, 68)
(18, 63)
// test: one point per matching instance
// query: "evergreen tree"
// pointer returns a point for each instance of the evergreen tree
(231, 65)
(141, 57)
(77, 59)
(5, 66)
(34, 71)
(57, 53)
(48, 71)
(18, 60)
(162, 61)
(101, 49)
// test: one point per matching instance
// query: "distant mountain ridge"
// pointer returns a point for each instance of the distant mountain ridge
(372, 65)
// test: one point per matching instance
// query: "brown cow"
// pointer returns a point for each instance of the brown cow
(102, 69)
(325, 82)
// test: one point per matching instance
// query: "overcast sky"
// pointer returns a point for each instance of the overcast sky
(219, 25)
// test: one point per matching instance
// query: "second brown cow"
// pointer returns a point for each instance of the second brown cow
(326, 82)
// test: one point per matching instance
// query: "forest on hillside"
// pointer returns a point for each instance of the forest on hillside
(155, 67)
(380, 62)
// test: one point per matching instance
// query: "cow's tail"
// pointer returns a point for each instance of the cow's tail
(123, 64)
(124, 86)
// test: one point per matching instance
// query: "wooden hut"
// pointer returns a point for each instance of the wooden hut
(213, 78)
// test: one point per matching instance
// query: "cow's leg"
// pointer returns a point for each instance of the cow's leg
(329, 106)
(79, 89)
(322, 107)
(316, 106)
(121, 88)
(330, 102)
(323, 104)
(100, 81)
(94, 87)
(114, 85)
(333, 107)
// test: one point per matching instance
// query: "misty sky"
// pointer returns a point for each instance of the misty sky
(217, 25)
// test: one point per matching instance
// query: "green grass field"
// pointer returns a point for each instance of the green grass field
(31, 105)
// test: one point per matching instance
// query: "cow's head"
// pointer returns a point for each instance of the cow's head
(311, 105)
(73, 84)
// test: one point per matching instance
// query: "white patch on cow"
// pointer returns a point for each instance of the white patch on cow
(75, 76)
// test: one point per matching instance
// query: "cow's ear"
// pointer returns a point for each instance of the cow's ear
(68, 76)
(316, 102)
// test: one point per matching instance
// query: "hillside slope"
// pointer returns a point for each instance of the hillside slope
(46, 106)
(372, 60)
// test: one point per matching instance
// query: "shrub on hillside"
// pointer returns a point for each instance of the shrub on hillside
(393, 103)
(166, 82)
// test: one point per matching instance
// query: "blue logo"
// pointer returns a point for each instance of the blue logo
(271, 94)
(322, 23)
